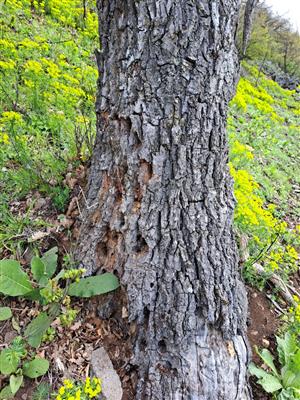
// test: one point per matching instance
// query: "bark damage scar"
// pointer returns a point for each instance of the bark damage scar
(103, 192)
(145, 172)
(109, 250)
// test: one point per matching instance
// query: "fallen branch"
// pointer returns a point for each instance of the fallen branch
(277, 282)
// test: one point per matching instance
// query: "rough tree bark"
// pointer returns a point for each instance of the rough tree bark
(248, 22)
(160, 200)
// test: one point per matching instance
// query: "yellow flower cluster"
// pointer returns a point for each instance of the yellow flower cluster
(89, 389)
(10, 116)
(248, 94)
(250, 207)
(4, 138)
(8, 64)
(92, 388)
(283, 259)
(295, 311)
(33, 66)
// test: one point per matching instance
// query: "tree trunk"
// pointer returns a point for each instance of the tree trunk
(248, 21)
(160, 201)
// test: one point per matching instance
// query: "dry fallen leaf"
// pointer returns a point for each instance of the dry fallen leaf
(38, 236)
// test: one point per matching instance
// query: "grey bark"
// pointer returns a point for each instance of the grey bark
(248, 22)
(160, 200)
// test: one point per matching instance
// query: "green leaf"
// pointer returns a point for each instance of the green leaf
(38, 269)
(268, 360)
(289, 394)
(9, 361)
(286, 347)
(49, 259)
(94, 285)
(35, 368)
(15, 383)
(54, 310)
(288, 377)
(6, 393)
(34, 294)
(295, 362)
(269, 382)
(5, 313)
(36, 329)
(13, 281)
(295, 383)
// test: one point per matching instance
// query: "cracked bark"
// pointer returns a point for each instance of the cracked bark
(160, 200)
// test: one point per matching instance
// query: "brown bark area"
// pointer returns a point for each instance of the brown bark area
(160, 200)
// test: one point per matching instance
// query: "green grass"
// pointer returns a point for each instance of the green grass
(48, 81)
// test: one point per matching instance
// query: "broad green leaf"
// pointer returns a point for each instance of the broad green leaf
(38, 269)
(268, 359)
(6, 393)
(15, 383)
(50, 261)
(286, 347)
(5, 313)
(54, 310)
(288, 377)
(295, 362)
(94, 285)
(289, 394)
(35, 368)
(296, 381)
(268, 381)
(9, 362)
(34, 295)
(36, 329)
(13, 281)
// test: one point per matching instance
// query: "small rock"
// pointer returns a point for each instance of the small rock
(40, 203)
(101, 367)
(265, 343)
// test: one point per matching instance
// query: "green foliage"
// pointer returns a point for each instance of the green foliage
(35, 331)
(263, 163)
(15, 382)
(94, 285)
(6, 393)
(13, 281)
(42, 392)
(35, 368)
(5, 313)
(274, 39)
(49, 260)
(52, 290)
(285, 384)
(48, 85)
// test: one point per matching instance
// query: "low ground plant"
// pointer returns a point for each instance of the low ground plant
(53, 292)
